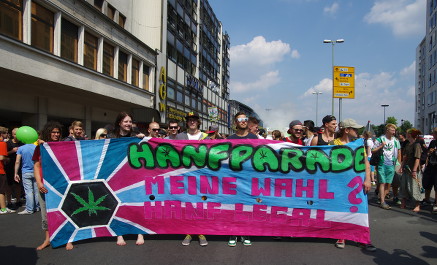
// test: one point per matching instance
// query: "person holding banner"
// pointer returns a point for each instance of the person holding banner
(329, 125)
(241, 124)
(172, 130)
(123, 128)
(51, 132)
(193, 133)
(349, 132)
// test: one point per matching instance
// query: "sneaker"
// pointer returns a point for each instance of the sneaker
(434, 209)
(340, 243)
(25, 212)
(397, 201)
(246, 241)
(373, 183)
(367, 247)
(378, 201)
(232, 241)
(385, 206)
(7, 210)
(202, 241)
(277, 238)
(187, 240)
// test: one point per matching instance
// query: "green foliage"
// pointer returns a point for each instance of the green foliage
(391, 120)
(405, 126)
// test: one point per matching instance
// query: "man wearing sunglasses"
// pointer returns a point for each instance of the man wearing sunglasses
(296, 132)
(154, 129)
(242, 128)
(172, 130)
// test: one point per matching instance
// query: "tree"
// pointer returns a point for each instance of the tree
(405, 126)
(391, 120)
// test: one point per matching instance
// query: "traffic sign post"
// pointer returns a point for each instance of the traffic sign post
(344, 84)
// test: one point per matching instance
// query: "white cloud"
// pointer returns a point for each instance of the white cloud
(259, 52)
(404, 17)
(295, 54)
(324, 86)
(263, 83)
(409, 70)
(331, 10)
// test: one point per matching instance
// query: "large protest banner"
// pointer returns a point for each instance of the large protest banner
(224, 187)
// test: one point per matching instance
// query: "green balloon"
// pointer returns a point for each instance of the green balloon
(27, 134)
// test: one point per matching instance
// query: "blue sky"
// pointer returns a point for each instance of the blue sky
(278, 57)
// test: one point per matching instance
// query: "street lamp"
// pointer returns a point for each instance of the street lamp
(333, 42)
(384, 106)
(317, 104)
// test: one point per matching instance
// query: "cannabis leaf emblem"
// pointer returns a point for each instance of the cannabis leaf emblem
(314, 155)
(263, 155)
(166, 152)
(91, 206)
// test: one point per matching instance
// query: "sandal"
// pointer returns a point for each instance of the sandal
(340, 243)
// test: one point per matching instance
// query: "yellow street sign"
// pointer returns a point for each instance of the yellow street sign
(344, 82)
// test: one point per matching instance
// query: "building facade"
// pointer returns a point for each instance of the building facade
(88, 60)
(426, 79)
(193, 64)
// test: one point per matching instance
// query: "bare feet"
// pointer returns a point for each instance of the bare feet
(69, 246)
(140, 239)
(416, 209)
(44, 244)
(120, 241)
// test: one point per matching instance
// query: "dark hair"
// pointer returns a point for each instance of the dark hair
(120, 117)
(328, 118)
(46, 131)
(253, 120)
(238, 114)
(277, 135)
(414, 132)
(172, 121)
(309, 124)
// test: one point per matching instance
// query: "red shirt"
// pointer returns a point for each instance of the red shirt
(299, 141)
(3, 152)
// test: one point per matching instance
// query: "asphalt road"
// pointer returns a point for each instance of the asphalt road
(401, 237)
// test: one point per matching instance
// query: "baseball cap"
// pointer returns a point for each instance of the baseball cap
(328, 118)
(192, 114)
(350, 123)
(294, 123)
(213, 129)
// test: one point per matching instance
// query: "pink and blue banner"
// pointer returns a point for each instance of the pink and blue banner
(113, 187)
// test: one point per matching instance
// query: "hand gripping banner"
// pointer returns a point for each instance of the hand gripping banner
(123, 186)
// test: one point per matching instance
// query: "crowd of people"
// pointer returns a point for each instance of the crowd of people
(396, 161)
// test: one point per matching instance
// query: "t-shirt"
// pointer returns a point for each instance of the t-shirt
(370, 144)
(390, 151)
(299, 141)
(26, 151)
(412, 152)
(3, 152)
(37, 157)
(248, 136)
(194, 136)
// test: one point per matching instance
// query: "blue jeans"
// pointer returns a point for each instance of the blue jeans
(31, 190)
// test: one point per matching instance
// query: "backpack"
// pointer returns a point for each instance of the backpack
(376, 157)
(375, 160)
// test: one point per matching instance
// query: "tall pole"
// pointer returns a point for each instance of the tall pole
(317, 104)
(333, 42)
(384, 106)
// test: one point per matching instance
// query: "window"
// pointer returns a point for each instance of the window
(121, 20)
(110, 12)
(122, 66)
(42, 27)
(90, 51)
(146, 74)
(179, 97)
(69, 40)
(98, 4)
(11, 17)
(108, 59)
(135, 72)
(170, 92)
(187, 100)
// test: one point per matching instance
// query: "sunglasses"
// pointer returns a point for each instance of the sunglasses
(155, 130)
(103, 135)
(298, 130)
(242, 119)
(173, 127)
